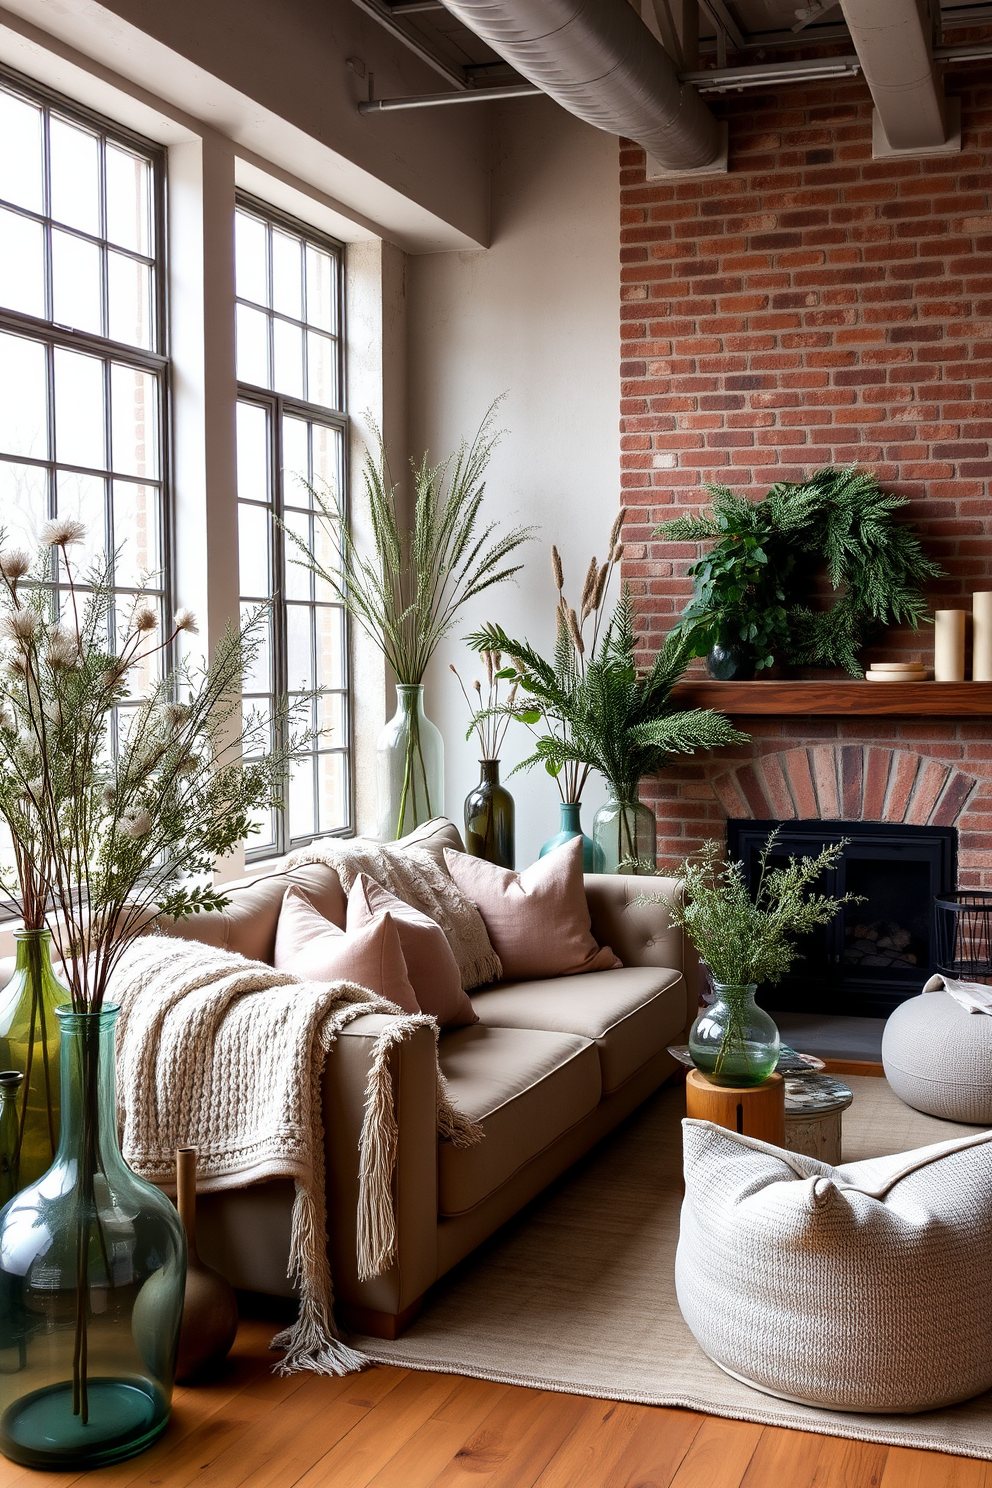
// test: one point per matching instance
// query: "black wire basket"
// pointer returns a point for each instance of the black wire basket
(962, 924)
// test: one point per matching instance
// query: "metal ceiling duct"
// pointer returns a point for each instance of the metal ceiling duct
(893, 40)
(598, 59)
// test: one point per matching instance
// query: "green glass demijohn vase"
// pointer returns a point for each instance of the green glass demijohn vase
(733, 1041)
(10, 1134)
(92, 1279)
(409, 762)
(489, 818)
(570, 825)
(626, 835)
(29, 1042)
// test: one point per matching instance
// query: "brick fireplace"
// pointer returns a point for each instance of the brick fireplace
(857, 769)
(816, 306)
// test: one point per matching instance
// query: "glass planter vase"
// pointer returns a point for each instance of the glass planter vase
(409, 758)
(29, 1042)
(569, 826)
(489, 818)
(626, 835)
(92, 1277)
(733, 1041)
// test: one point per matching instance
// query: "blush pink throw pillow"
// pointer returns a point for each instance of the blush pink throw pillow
(313, 948)
(538, 920)
(430, 961)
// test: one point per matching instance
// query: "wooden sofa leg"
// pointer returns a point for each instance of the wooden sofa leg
(388, 1325)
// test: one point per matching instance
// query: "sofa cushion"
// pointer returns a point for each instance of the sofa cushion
(430, 961)
(631, 1014)
(538, 920)
(525, 1088)
(313, 948)
(248, 924)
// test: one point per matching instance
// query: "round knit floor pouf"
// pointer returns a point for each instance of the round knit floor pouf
(938, 1058)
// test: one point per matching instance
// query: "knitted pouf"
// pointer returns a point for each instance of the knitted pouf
(938, 1058)
(862, 1288)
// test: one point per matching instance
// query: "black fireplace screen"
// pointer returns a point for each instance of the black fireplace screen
(877, 953)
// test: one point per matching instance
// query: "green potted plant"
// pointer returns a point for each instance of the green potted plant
(593, 708)
(751, 588)
(119, 806)
(405, 596)
(747, 941)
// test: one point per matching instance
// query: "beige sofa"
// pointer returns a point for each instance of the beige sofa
(550, 1068)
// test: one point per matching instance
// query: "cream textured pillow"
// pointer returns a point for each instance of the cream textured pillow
(864, 1288)
(538, 920)
(430, 962)
(313, 948)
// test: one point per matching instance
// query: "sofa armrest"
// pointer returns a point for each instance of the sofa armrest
(412, 1064)
(642, 934)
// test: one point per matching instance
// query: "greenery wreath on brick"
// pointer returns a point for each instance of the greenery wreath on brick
(751, 585)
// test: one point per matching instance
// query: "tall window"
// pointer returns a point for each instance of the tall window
(291, 437)
(82, 337)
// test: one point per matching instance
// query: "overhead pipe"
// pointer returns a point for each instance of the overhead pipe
(598, 59)
(893, 40)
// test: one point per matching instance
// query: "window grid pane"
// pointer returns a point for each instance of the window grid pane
(82, 417)
(288, 287)
(281, 451)
(79, 232)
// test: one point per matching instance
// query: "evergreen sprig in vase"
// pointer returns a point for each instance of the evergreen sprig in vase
(490, 818)
(29, 1042)
(92, 1276)
(409, 767)
(626, 837)
(733, 1041)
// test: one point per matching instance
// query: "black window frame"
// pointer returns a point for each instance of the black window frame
(279, 406)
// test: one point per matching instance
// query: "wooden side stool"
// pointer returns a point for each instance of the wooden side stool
(753, 1110)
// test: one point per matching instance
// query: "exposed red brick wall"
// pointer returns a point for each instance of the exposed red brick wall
(812, 306)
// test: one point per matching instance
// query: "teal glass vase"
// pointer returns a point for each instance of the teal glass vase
(569, 826)
(626, 836)
(489, 819)
(92, 1280)
(29, 1042)
(409, 764)
(733, 1041)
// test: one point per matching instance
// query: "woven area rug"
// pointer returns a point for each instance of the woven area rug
(577, 1293)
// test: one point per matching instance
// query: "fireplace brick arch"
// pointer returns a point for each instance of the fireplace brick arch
(849, 782)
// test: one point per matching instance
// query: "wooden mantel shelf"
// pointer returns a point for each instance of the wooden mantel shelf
(839, 699)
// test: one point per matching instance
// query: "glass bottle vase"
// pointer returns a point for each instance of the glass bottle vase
(569, 826)
(733, 1041)
(626, 834)
(29, 1042)
(92, 1276)
(409, 758)
(489, 818)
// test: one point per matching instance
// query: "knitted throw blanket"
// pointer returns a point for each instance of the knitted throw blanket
(413, 875)
(226, 1055)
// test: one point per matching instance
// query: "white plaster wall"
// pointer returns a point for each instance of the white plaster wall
(537, 316)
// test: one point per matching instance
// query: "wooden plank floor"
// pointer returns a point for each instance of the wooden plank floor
(396, 1428)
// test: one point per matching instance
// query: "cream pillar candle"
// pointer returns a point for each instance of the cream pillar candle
(981, 654)
(948, 646)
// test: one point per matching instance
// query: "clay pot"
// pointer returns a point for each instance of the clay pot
(210, 1311)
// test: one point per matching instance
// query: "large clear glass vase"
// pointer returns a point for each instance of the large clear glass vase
(29, 1042)
(733, 1041)
(409, 757)
(92, 1277)
(626, 835)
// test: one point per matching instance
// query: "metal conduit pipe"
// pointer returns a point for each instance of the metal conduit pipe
(598, 59)
(893, 40)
